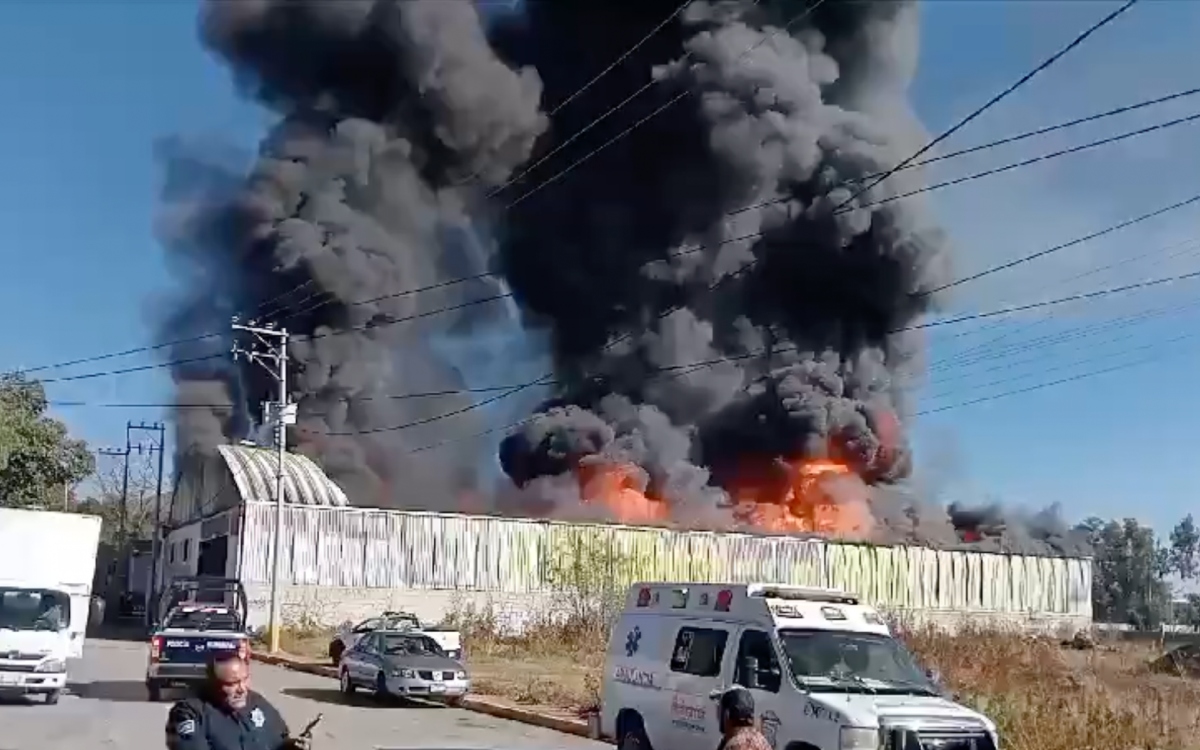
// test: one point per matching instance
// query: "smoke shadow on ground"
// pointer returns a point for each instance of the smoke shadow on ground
(110, 691)
(358, 700)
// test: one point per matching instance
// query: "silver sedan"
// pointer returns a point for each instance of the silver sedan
(403, 664)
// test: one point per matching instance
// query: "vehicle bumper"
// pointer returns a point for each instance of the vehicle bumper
(428, 688)
(175, 674)
(32, 682)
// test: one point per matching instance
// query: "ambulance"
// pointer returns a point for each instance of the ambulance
(825, 671)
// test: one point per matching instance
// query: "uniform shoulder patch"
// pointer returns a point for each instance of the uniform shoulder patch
(186, 728)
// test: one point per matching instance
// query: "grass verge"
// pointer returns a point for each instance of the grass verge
(1042, 695)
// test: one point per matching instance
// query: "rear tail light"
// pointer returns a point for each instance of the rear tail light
(156, 648)
(243, 649)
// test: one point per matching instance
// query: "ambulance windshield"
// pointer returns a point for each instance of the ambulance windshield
(841, 661)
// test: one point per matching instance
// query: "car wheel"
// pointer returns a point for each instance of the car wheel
(52, 697)
(346, 684)
(336, 649)
(381, 690)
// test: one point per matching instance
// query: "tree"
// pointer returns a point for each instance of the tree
(37, 456)
(1128, 572)
(1185, 548)
(133, 519)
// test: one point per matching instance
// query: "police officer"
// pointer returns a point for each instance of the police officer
(226, 715)
(736, 717)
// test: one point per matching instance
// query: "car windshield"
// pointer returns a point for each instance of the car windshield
(34, 609)
(202, 619)
(838, 661)
(420, 645)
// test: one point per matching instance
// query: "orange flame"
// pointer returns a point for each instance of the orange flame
(618, 488)
(816, 497)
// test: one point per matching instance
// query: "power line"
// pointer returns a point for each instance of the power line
(1126, 260)
(1078, 40)
(801, 15)
(1085, 296)
(911, 159)
(690, 366)
(1050, 384)
(484, 300)
(958, 126)
(876, 181)
(486, 275)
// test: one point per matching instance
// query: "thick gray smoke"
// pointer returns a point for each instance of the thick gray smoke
(384, 108)
(708, 232)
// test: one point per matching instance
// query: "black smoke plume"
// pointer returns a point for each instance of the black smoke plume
(708, 232)
(384, 108)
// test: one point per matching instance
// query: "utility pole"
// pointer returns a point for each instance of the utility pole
(121, 515)
(269, 350)
(156, 521)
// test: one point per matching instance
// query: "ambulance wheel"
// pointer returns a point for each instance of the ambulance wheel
(632, 735)
(52, 697)
(154, 690)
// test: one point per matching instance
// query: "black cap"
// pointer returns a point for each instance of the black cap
(739, 704)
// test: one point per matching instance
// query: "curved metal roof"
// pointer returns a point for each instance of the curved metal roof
(304, 483)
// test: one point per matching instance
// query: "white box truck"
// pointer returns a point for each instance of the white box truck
(47, 562)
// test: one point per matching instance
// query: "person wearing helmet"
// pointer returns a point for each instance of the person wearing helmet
(738, 731)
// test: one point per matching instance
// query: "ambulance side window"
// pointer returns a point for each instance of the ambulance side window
(756, 645)
(699, 651)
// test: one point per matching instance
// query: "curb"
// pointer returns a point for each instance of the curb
(478, 704)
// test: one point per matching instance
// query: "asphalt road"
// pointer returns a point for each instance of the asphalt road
(107, 707)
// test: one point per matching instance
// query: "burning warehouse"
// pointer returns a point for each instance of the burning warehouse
(445, 202)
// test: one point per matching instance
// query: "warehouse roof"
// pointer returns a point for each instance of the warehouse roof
(254, 471)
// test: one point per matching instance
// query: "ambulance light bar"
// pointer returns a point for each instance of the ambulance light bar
(801, 593)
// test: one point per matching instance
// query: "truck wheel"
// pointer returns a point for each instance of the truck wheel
(154, 690)
(52, 697)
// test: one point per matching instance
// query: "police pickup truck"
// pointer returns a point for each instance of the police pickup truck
(198, 617)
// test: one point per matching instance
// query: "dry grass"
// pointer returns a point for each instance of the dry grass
(1043, 696)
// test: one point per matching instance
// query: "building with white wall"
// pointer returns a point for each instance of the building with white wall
(341, 562)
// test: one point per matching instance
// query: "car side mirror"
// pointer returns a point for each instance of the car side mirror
(750, 672)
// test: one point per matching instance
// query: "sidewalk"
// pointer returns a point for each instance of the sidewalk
(549, 717)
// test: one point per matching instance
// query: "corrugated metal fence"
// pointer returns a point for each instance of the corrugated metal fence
(394, 549)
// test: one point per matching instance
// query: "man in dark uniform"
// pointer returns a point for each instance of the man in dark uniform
(225, 715)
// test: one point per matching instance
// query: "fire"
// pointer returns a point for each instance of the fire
(618, 487)
(813, 497)
(800, 497)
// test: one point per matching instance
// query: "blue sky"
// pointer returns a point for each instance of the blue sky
(89, 86)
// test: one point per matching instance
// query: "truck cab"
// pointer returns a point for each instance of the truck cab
(47, 563)
(825, 671)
